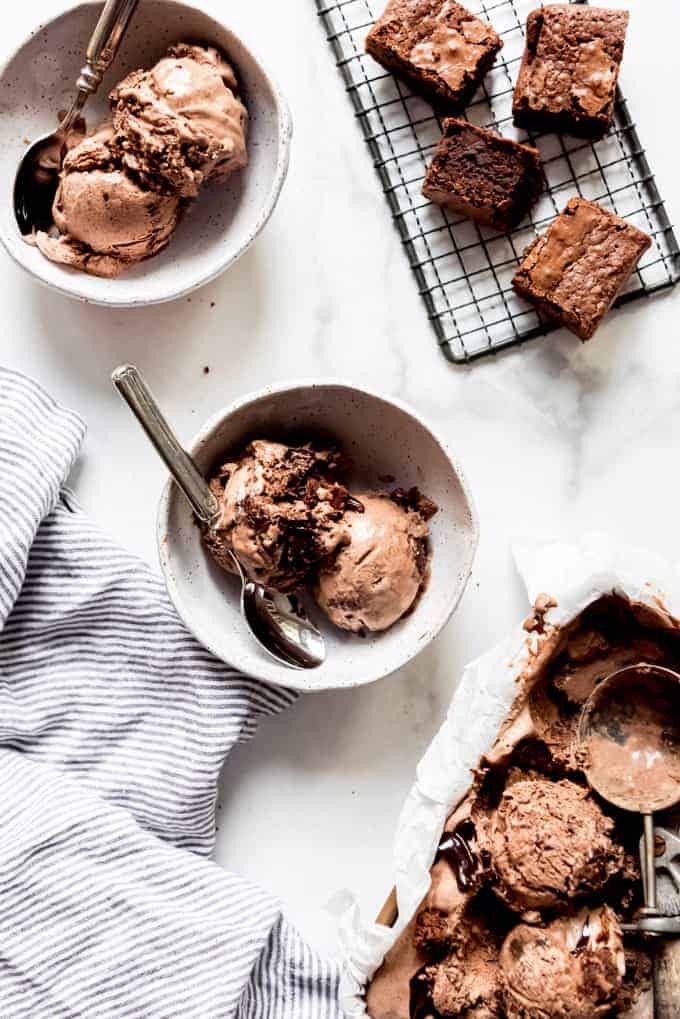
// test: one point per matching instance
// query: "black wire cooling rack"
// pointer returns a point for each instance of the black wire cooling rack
(464, 270)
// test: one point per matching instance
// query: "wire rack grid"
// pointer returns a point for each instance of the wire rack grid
(463, 270)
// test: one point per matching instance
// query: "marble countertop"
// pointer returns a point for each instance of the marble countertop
(555, 438)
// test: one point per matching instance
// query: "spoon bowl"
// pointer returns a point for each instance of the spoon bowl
(280, 621)
(630, 732)
(36, 183)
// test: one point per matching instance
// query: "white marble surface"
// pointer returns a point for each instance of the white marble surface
(554, 438)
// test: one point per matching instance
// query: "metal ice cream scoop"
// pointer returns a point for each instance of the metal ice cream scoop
(277, 621)
(630, 735)
(35, 185)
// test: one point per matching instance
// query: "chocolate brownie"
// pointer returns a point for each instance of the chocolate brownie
(483, 176)
(567, 81)
(574, 271)
(441, 49)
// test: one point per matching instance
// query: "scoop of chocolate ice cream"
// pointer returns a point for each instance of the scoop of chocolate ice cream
(107, 220)
(550, 842)
(467, 981)
(571, 969)
(467, 987)
(181, 124)
(281, 512)
(377, 576)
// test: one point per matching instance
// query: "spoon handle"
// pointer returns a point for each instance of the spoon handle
(649, 851)
(139, 398)
(104, 43)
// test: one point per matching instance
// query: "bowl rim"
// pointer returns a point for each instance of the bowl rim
(303, 680)
(284, 131)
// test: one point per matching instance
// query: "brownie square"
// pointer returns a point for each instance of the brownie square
(484, 176)
(567, 80)
(574, 271)
(440, 48)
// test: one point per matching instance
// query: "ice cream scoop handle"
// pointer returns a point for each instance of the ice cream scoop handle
(667, 980)
(650, 864)
(139, 398)
(104, 42)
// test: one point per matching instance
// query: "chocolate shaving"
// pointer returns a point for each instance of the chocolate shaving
(414, 499)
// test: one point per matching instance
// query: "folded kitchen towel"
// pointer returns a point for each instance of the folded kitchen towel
(114, 725)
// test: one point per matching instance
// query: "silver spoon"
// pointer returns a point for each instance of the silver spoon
(37, 179)
(277, 621)
(630, 735)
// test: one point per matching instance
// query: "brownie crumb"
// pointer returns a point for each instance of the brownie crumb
(536, 621)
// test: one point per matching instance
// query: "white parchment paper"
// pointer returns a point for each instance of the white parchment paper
(574, 576)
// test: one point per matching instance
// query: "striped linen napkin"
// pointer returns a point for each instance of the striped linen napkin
(114, 724)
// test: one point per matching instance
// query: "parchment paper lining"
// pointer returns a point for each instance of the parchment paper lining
(574, 576)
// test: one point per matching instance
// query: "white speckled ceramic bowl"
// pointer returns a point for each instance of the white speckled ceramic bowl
(382, 437)
(38, 80)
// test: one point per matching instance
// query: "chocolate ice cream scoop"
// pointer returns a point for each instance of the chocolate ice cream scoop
(630, 730)
(571, 969)
(466, 982)
(549, 843)
(377, 576)
(181, 124)
(281, 512)
(107, 221)
(466, 986)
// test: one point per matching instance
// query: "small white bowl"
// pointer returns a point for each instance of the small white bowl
(38, 81)
(382, 437)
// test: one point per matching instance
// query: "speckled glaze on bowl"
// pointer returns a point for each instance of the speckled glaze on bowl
(383, 437)
(38, 80)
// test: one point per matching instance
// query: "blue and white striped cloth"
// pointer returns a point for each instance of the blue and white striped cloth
(114, 725)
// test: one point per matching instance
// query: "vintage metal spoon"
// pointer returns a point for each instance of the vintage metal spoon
(277, 622)
(37, 178)
(630, 735)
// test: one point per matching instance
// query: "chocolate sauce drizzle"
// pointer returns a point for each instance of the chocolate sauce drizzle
(456, 849)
